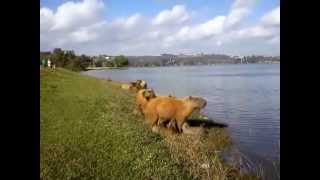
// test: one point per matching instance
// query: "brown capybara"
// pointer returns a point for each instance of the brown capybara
(135, 85)
(141, 84)
(168, 108)
(143, 96)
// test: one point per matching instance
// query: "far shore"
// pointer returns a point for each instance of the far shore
(101, 68)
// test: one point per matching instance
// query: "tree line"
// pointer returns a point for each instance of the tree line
(69, 60)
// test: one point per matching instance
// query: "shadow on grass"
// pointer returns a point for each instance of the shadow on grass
(193, 122)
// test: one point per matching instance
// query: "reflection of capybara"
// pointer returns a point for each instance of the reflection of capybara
(142, 98)
(168, 108)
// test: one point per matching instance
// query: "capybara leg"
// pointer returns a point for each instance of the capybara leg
(172, 125)
(152, 119)
(162, 122)
(156, 129)
(179, 124)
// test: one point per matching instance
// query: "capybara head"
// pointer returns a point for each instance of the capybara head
(196, 102)
(142, 84)
(139, 84)
(142, 98)
(149, 94)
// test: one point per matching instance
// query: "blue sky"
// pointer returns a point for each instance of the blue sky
(116, 8)
(193, 14)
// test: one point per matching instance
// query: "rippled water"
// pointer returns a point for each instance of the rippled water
(246, 97)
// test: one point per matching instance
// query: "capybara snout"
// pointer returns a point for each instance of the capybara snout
(197, 102)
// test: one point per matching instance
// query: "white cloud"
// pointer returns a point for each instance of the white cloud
(272, 18)
(212, 27)
(128, 21)
(83, 35)
(46, 19)
(178, 14)
(239, 10)
(267, 27)
(215, 26)
(72, 15)
(81, 26)
(275, 40)
(256, 31)
(73, 22)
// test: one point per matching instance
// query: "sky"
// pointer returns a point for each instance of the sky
(154, 27)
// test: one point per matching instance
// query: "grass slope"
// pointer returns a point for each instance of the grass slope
(87, 134)
(88, 131)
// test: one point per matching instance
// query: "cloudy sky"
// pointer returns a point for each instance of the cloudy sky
(153, 27)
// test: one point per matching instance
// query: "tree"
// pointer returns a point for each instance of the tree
(120, 61)
(58, 58)
(69, 60)
(85, 61)
(99, 63)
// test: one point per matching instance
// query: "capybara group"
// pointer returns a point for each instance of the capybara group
(167, 111)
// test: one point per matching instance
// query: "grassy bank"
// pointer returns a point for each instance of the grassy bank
(88, 131)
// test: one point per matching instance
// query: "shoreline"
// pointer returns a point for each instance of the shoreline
(104, 68)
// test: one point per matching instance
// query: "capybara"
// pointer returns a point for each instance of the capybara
(141, 84)
(135, 85)
(166, 108)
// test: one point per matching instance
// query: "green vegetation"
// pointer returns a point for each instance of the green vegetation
(120, 61)
(67, 59)
(117, 61)
(88, 131)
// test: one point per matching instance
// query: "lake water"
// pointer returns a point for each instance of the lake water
(245, 96)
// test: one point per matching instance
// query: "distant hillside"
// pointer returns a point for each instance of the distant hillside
(176, 60)
(166, 59)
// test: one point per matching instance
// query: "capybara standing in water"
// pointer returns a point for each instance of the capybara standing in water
(168, 108)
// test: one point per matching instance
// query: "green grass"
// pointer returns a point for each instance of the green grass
(88, 131)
